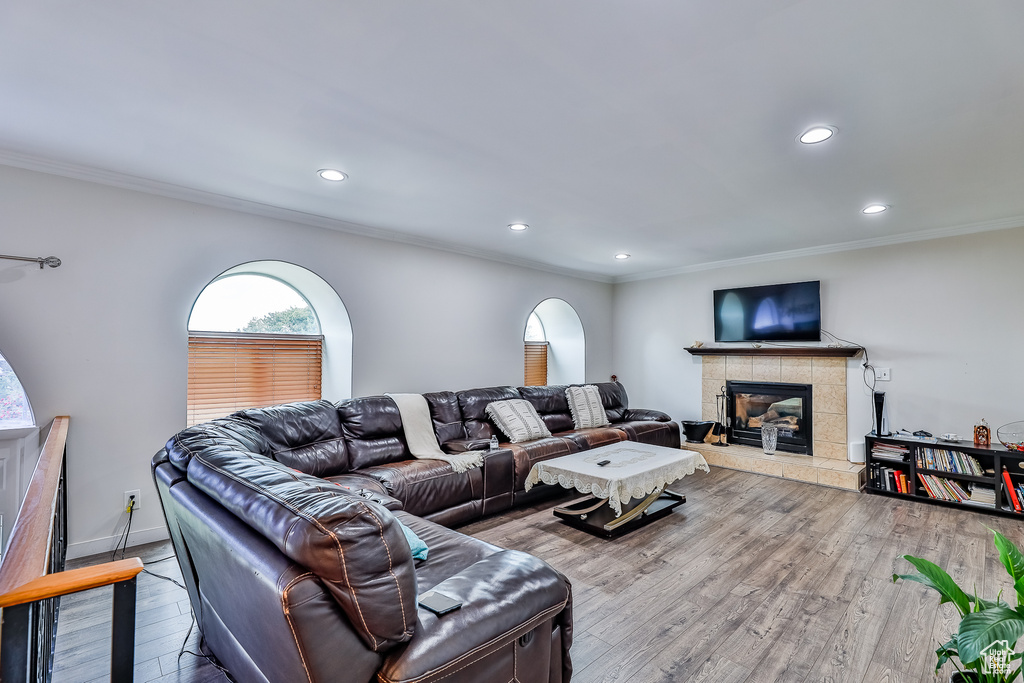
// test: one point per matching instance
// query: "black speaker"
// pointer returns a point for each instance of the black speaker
(879, 407)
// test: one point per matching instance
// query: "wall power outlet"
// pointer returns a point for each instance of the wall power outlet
(128, 499)
(882, 374)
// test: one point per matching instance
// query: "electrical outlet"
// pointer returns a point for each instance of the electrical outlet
(128, 500)
(882, 374)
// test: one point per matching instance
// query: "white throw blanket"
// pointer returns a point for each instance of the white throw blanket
(419, 434)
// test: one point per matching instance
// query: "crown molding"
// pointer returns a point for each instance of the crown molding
(188, 194)
(917, 236)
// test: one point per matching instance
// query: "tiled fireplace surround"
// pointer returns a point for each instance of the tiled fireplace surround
(827, 376)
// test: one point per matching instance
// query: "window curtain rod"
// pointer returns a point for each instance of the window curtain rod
(51, 261)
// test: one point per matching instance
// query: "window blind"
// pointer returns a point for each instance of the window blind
(232, 371)
(536, 364)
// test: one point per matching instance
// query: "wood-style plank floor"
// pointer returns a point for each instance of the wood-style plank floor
(753, 579)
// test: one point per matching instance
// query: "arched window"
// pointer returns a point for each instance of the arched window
(555, 345)
(15, 410)
(536, 352)
(265, 333)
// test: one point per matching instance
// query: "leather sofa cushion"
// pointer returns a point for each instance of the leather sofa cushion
(446, 416)
(225, 431)
(305, 436)
(524, 455)
(593, 437)
(614, 399)
(551, 405)
(372, 428)
(450, 551)
(503, 596)
(648, 431)
(473, 404)
(425, 486)
(354, 545)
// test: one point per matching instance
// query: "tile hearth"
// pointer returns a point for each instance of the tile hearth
(815, 470)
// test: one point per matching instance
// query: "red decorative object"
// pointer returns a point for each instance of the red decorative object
(982, 434)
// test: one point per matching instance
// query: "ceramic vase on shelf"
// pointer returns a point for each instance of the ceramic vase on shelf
(769, 438)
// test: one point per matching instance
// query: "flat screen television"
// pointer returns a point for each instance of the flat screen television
(787, 312)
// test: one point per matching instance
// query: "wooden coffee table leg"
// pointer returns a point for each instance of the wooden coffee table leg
(596, 516)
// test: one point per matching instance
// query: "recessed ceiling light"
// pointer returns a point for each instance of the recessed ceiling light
(518, 227)
(622, 257)
(817, 134)
(874, 208)
(331, 174)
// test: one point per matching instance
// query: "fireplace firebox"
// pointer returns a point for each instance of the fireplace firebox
(787, 406)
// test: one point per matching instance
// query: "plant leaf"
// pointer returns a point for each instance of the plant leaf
(1013, 559)
(935, 577)
(978, 630)
(945, 651)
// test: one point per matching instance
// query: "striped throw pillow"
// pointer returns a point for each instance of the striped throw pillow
(585, 406)
(518, 420)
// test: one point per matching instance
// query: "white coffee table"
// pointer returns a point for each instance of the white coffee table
(626, 493)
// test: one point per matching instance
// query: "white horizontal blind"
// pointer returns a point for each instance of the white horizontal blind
(232, 371)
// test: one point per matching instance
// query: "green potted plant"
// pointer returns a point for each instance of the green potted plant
(982, 647)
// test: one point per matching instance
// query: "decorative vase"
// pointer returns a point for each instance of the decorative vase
(769, 438)
(1012, 435)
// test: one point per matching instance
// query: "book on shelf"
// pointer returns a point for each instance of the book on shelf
(1011, 493)
(950, 490)
(982, 496)
(945, 460)
(888, 479)
(890, 451)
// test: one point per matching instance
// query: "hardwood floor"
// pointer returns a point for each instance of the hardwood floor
(753, 579)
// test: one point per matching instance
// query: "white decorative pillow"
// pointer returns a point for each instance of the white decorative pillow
(518, 420)
(585, 406)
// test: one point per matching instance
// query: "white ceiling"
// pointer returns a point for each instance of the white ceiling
(662, 128)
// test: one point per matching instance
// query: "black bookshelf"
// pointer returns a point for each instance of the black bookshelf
(884, 468)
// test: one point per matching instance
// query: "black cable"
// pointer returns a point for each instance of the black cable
(162, 559)
(124, 533)
(165, 578)
(128, 529)
(202, 639)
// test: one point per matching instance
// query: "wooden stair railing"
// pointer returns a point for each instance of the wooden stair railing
(32, 577)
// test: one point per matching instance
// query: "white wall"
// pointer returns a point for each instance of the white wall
(103, 337)
(945, 315)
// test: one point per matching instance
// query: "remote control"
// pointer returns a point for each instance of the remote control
(603, 463)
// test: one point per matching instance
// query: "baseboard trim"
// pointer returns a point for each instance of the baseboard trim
(106, 544)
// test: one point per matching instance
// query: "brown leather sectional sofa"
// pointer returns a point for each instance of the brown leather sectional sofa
(285, 521)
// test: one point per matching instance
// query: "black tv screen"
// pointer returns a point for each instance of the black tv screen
(789, 312)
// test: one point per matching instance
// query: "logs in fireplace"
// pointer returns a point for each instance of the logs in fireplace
(787, 406)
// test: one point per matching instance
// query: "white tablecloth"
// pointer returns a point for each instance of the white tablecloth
(636, 470)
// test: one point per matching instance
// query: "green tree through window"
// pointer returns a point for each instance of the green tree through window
(292, 320)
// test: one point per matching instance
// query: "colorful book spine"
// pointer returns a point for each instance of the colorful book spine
(1011, 491)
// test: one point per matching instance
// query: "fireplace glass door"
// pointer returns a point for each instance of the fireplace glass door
(786, 406)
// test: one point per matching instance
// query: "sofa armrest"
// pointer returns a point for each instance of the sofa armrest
(504, 596)
(643, 415)
(463, 445)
